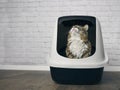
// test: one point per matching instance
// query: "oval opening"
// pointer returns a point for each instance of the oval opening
(64, 26)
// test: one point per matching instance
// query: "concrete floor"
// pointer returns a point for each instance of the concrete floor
(41, 80)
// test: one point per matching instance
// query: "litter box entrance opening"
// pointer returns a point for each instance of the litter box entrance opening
(64, 26)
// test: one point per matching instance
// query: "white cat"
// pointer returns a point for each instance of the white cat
(78, 45)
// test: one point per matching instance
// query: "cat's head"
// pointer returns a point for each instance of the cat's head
(82, 31)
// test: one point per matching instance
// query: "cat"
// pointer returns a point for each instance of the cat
(78, 45)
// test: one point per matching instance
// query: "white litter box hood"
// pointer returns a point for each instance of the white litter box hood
(98, 59)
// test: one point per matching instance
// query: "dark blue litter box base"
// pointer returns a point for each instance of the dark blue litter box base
(80, 76)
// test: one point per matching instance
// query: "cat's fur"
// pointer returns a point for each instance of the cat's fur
(78, 45)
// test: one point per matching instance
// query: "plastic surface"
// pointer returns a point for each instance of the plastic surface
(98, 59)
(80, 76)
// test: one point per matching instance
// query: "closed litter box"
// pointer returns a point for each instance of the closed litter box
(77, 55)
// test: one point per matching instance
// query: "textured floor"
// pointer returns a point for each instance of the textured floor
(41, 80)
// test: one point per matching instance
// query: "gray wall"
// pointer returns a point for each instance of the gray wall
(26, 27)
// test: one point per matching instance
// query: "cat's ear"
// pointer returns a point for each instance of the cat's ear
(85, 27)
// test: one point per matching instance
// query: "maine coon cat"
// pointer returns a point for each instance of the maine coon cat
(78, 45)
